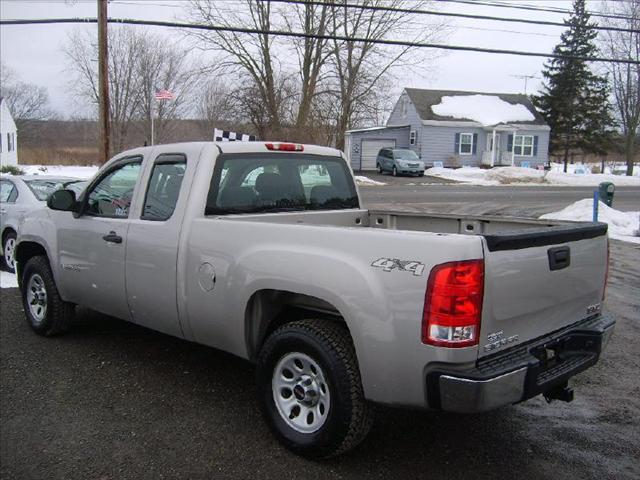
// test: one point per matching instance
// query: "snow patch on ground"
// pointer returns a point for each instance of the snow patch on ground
(8, 280)
(361, 180)
(622, 225)
(484, 109)
(527, 176)
(60, 170)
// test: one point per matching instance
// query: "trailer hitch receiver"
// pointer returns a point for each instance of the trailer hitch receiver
(561, 392)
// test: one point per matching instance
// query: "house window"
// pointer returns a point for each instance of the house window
(523, 145)
(466, 144)
(412, 137)
(404, 106)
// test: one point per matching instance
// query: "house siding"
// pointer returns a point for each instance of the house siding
(438, 145)
(542, 156)
(354, 142)
(7, 127)
(412, 119)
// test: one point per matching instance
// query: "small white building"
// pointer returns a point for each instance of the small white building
(8, 136)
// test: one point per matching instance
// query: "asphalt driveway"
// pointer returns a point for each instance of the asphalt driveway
(113, 400)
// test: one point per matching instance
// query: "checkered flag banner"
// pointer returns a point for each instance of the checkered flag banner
(226, 136)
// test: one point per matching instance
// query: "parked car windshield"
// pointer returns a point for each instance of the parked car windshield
(77, 186)
(405, 155)
(272, 182)
(43, 188)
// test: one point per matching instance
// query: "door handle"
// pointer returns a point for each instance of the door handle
(112, 237)
(559, 258)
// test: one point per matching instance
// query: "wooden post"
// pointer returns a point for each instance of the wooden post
(103, 82)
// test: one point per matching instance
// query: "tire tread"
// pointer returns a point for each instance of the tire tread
(335, 336)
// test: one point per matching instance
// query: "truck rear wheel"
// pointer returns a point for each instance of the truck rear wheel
(46, 313)
(310, 390)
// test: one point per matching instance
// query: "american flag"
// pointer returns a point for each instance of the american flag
(164, 95)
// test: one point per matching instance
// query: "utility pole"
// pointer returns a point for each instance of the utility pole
(103, 82)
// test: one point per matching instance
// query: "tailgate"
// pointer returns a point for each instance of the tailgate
(537, 284)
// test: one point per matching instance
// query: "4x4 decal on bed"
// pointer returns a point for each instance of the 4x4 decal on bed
(388, 264)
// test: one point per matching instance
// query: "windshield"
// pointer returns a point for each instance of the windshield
(275, 182)
(43, 188)
(405, 155)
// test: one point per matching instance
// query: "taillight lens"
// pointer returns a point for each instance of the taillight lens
(453, 304)
(285, 147)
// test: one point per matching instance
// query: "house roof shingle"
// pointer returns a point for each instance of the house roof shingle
(424, 99)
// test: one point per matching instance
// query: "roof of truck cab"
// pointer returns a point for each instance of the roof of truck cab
(235, 147)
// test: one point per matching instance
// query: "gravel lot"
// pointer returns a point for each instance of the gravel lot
(113, 400)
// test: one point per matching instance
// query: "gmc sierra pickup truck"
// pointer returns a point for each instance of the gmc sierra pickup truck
(264, 250)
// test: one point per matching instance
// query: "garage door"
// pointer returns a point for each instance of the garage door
(370, 149)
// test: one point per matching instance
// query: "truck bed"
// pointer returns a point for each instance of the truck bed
(500, 233)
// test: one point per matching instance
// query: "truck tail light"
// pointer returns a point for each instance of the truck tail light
(285, 147)
(606, 272)
(453, 304)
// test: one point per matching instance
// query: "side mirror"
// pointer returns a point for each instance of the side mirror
(64, 200)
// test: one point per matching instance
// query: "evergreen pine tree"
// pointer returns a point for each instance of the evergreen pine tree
(574, 100)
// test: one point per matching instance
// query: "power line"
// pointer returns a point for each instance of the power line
(535, 8)
(282, 33)
(381, 8)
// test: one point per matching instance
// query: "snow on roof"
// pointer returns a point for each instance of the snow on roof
(484, 109)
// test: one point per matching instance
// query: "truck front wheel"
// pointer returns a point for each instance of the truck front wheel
(310, 390)
(47, 314)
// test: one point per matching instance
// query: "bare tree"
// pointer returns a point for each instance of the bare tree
(248, 57)
(360, 67)
(26, 101)
(140, 63)
(625, 78)
(163, 66)
(312, 54)
(125, 85)
(215, 105)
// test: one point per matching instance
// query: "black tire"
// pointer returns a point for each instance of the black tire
(422, 174)
(10, 236)
(58, 314)
(394, 172)
(349, 416)
(380, 169)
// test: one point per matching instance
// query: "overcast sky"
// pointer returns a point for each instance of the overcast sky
(35, 51)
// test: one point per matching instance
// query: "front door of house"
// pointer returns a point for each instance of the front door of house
(497, 156)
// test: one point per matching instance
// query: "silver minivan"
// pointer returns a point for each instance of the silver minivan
(399, 161)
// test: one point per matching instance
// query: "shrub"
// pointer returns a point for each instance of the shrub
(11, 170)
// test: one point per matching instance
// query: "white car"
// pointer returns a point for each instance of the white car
(18, 196)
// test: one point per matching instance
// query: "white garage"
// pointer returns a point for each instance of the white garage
(362, 146)
(370, 149)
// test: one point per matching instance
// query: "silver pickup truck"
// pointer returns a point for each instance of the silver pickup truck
(264, 250)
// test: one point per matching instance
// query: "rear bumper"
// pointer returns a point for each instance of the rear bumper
(521, 372)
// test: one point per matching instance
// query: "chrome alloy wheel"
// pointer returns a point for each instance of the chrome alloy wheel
(300, 392)
(9, 253)
(37, 297)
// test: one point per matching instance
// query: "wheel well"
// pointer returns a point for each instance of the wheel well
(24, 252)
(270, 309)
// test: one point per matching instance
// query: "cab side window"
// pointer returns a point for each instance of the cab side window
(112, 195)
(164, 187)
(8, 192)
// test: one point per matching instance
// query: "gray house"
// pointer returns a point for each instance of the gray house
(454, 129)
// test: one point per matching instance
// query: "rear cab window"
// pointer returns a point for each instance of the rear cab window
(164, 187)
(276, 182)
